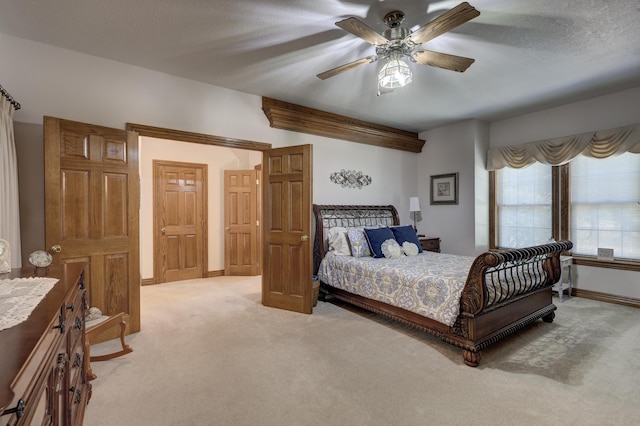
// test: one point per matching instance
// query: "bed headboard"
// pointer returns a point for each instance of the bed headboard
(329, 216)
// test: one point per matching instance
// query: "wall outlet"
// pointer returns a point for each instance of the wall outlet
(605, 253)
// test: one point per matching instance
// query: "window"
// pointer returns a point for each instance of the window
(523, 202)
(605, 209)
(599, 205)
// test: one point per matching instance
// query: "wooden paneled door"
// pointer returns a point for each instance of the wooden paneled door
(92, 196)
(241, 222)
(180, 227)
(287, 261)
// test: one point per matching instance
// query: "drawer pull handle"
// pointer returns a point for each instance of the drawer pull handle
(77, 360)
(61, 326)
(19, 409)
(78, 323)
(72, 308)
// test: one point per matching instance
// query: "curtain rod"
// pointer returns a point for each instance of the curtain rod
(12, 101)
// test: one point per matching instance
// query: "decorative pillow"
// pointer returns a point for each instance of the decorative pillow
(375, 238)
(406, 233)
(391, 249)
(337, 238)
(410, 249)
(358, 242)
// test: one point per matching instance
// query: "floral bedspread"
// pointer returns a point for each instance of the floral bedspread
(429, 284)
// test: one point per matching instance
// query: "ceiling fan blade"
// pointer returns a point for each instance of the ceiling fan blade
(447, 21)
(347, 67)
(362, 30)
(442, 60)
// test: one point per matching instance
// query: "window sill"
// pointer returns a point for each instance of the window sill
(625, 265)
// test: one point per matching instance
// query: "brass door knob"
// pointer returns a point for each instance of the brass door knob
(304, 238)
(163, 230)
(56, 249)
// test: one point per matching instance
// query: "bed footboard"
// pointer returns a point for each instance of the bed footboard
(496, 278)
(505, 291)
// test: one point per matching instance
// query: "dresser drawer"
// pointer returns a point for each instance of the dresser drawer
(430, 244)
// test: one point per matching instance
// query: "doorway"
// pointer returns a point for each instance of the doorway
(219, 154)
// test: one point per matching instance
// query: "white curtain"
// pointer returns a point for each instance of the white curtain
(558, 151)
(9, 207)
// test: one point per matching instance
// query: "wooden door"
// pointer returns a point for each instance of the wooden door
(92, 194)
(287, 262)
(180, 228)
(240, 222)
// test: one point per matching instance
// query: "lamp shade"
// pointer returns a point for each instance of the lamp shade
(414, 204)
(395, 73)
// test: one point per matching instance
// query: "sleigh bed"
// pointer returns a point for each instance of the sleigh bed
(489, 296)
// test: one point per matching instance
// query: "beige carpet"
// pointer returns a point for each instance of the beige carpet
(211, 354)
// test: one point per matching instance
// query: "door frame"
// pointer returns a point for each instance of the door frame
(199, 138)
(157, 235)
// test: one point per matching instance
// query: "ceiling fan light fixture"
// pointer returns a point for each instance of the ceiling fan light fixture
(395, 73)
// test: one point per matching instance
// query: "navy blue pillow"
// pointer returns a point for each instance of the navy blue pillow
(406, 233)
(376, 237)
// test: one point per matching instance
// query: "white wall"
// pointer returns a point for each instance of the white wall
(392, 172)
(603, 112)
(462, 228)
(600, 113)
(51, 81)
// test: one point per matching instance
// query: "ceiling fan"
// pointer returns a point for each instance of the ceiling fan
(398, 42)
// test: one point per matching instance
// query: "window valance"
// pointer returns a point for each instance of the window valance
(558, 151)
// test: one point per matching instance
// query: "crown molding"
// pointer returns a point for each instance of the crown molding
(201, 138)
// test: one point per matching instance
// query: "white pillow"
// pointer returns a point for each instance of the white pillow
(410, 249)
(391, 249)
(337, 239)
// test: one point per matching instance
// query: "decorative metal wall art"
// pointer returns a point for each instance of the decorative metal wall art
(350, 179)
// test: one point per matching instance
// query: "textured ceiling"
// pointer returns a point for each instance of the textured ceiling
(529, 54)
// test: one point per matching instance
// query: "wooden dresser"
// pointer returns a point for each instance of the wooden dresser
(42, 369)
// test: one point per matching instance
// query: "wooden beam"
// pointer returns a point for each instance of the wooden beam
(286, 116)
(179, 135)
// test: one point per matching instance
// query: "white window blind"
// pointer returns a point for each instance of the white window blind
(605, 209)
(524, 213)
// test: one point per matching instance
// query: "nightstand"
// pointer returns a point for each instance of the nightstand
(560, 287)
(429, 243)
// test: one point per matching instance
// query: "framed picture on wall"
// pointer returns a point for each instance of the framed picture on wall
(444, 189)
